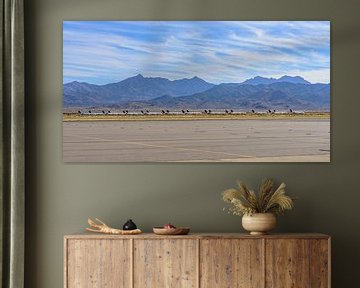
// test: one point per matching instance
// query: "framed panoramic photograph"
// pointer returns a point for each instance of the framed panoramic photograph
(196, 91)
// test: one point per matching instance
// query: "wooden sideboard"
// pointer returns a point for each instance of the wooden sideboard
(197, 260)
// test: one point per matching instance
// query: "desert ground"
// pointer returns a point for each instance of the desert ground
(213, 140)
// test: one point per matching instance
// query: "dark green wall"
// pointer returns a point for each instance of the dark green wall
(60, 196)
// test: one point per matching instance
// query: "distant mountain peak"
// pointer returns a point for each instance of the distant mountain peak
(267, 81)
(72, 83)
(260, 77)
(194, 78)
(77, 83)
(259, 80)
(293, 79)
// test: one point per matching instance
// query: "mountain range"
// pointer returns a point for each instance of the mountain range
(137, 88)
(141, 92)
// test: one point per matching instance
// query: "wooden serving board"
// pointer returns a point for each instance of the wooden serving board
(171, 231)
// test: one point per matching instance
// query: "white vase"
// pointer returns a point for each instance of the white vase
(259, 223)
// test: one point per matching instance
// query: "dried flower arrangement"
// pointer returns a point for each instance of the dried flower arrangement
(246, 202)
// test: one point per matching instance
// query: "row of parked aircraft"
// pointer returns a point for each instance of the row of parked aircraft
(183, 112)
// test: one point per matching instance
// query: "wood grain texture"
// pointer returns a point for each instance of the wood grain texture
(98, 264)
(66, 262)
(231, 263)
(287, 263)
(88, 235)
(319, 263)
(166, 263)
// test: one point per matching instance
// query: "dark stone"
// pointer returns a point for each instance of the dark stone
(129, 225)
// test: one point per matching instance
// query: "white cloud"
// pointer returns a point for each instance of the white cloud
(216, 51)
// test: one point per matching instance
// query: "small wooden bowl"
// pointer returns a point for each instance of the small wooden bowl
(171, 231)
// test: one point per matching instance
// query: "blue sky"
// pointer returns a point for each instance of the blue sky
(102, 52)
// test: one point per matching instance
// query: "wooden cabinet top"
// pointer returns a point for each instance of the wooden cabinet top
(200, 236)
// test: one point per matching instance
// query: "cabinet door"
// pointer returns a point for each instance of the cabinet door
(231, 263)
(98, 263)
(287, 263)
(165, 263)
(320, 263)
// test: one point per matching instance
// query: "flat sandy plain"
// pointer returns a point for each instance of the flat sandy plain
(254, 140)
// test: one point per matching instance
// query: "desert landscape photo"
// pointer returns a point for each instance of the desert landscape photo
(196, 91)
